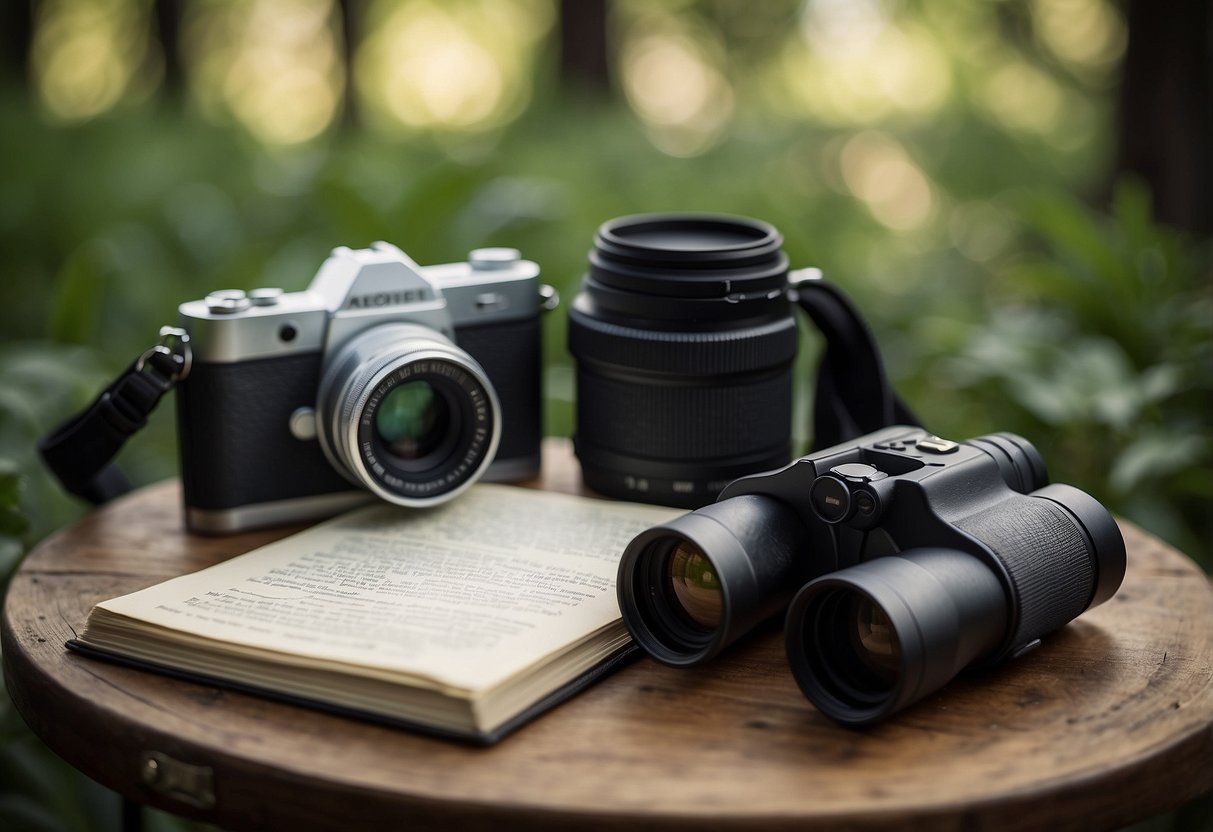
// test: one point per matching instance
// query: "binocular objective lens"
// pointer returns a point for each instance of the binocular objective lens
(412, 420)
(852, 648)
(874, 640)
(694, 586)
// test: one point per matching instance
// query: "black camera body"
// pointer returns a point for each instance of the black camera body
(987, 558)
(284, 411)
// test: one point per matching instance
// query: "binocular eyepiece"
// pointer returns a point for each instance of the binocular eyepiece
(901, 559)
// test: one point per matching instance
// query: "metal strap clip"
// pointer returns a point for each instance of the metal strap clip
(174, 344)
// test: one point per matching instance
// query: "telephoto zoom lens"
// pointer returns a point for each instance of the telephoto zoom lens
(684, 338)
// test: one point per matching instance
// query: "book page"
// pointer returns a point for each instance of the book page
(463, 595)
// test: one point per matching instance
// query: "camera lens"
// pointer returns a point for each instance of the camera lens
(684, 339)
(695, 586)
(405, 413)
(413, 420)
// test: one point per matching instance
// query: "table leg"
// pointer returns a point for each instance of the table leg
(132, 816)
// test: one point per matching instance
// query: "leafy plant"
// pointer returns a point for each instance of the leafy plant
(1099, 342)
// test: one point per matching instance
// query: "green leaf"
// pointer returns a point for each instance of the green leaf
(1155, 456)
(76, 299)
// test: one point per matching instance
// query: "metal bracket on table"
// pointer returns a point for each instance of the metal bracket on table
(174, 779)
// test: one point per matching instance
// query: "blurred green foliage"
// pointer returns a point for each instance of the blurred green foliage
(1015, 306)
(1018, 308)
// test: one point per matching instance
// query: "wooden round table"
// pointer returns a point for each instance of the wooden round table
(1109, 722)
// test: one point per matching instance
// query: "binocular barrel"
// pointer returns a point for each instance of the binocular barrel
(690, 587)
(867, 641)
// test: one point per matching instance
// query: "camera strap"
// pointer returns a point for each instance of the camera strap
(80, 451)
(853, 394)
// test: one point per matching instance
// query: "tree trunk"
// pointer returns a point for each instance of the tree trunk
(167, 14)
(349, 43)
(584, 65)
(16, 33)
(1166, 109)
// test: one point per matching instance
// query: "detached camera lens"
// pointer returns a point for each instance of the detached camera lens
(407, 414)
(695, 586)
(682, 314)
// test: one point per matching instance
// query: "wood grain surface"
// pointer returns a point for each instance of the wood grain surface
(1110, 721)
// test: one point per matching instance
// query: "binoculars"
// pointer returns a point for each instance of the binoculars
(900, 558)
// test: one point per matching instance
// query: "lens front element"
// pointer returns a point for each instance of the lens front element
(695, 586)
(408, 415)
(412, 420)
(873, 639)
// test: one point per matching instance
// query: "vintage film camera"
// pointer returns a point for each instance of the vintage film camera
(901, 559)
(383, 377)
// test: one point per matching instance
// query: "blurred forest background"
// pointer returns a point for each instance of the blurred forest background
(1018, 193)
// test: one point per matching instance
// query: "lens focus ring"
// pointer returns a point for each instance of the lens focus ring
(718, 352)
(657, 421)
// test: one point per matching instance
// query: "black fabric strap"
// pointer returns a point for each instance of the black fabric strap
(80, 451)
(853, 396)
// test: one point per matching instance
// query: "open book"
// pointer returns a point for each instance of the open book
(464, 620)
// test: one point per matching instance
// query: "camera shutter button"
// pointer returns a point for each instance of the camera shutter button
(494, 259)
(227, 302)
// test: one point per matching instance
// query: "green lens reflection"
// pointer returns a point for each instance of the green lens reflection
(696, 589)
(412, 420)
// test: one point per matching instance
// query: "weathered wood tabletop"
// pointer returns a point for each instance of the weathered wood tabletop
(1110, 721)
